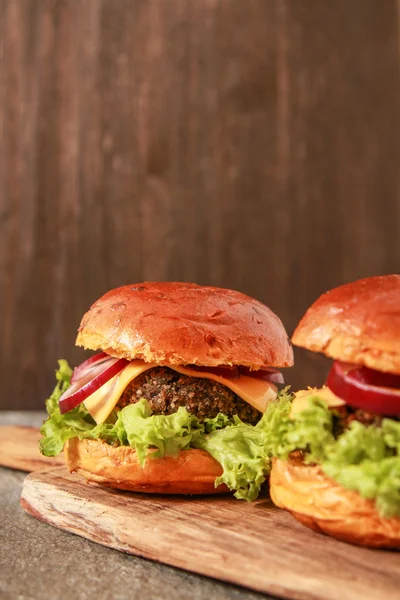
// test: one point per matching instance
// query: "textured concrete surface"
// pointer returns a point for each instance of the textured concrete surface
(39, 562)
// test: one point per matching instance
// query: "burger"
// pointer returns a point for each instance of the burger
(175, 398)
(337, 449)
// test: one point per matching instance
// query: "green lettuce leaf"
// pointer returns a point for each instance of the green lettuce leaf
(244, 451)
(165, 435)
(391, 434)
(364, 459)
(309, 430)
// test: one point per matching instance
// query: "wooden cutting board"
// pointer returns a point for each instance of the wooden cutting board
(253, 545)
(19, 449)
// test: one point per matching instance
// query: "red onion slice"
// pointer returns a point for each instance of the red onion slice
(83, 388)
(223, 371)
(377, 378)
(346, 383)
(87, 364)
(270, 375)
(93, 370)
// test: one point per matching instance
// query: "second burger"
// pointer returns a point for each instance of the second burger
(337, 467)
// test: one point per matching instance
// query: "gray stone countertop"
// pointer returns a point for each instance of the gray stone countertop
(40, 562)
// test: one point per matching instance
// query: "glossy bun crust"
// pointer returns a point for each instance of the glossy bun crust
(184, 323)
(326, 507)
(358, 322)
(191, 472)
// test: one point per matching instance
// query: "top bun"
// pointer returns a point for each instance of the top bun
(184, 323)
(358, 323)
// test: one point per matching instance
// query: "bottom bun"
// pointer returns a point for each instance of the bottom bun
(191, 472)
(326, 507)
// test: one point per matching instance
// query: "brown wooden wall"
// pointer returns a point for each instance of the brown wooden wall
(252, 144)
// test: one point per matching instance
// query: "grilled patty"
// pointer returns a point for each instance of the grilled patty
(166, 390)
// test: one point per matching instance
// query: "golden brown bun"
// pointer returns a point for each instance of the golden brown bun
(326, 507)
(184, 323)
(358, 322)
(191, 472)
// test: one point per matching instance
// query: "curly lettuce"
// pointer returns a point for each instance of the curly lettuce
(243, 450)
(165, 435)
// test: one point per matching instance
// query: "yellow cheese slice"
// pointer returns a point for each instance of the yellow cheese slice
(100, 404)
(300, 401)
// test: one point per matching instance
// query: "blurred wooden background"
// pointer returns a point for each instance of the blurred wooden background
(251, 144)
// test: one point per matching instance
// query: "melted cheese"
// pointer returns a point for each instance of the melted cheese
(101, 403)
(300, 401)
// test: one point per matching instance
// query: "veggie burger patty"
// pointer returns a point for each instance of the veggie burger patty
(166, 390)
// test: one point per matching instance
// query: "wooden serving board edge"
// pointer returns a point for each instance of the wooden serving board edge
(173, 555)
(19, 449)
(251, 545)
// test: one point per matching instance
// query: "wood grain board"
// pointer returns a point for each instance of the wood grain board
(19, 449)
(253, 545)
